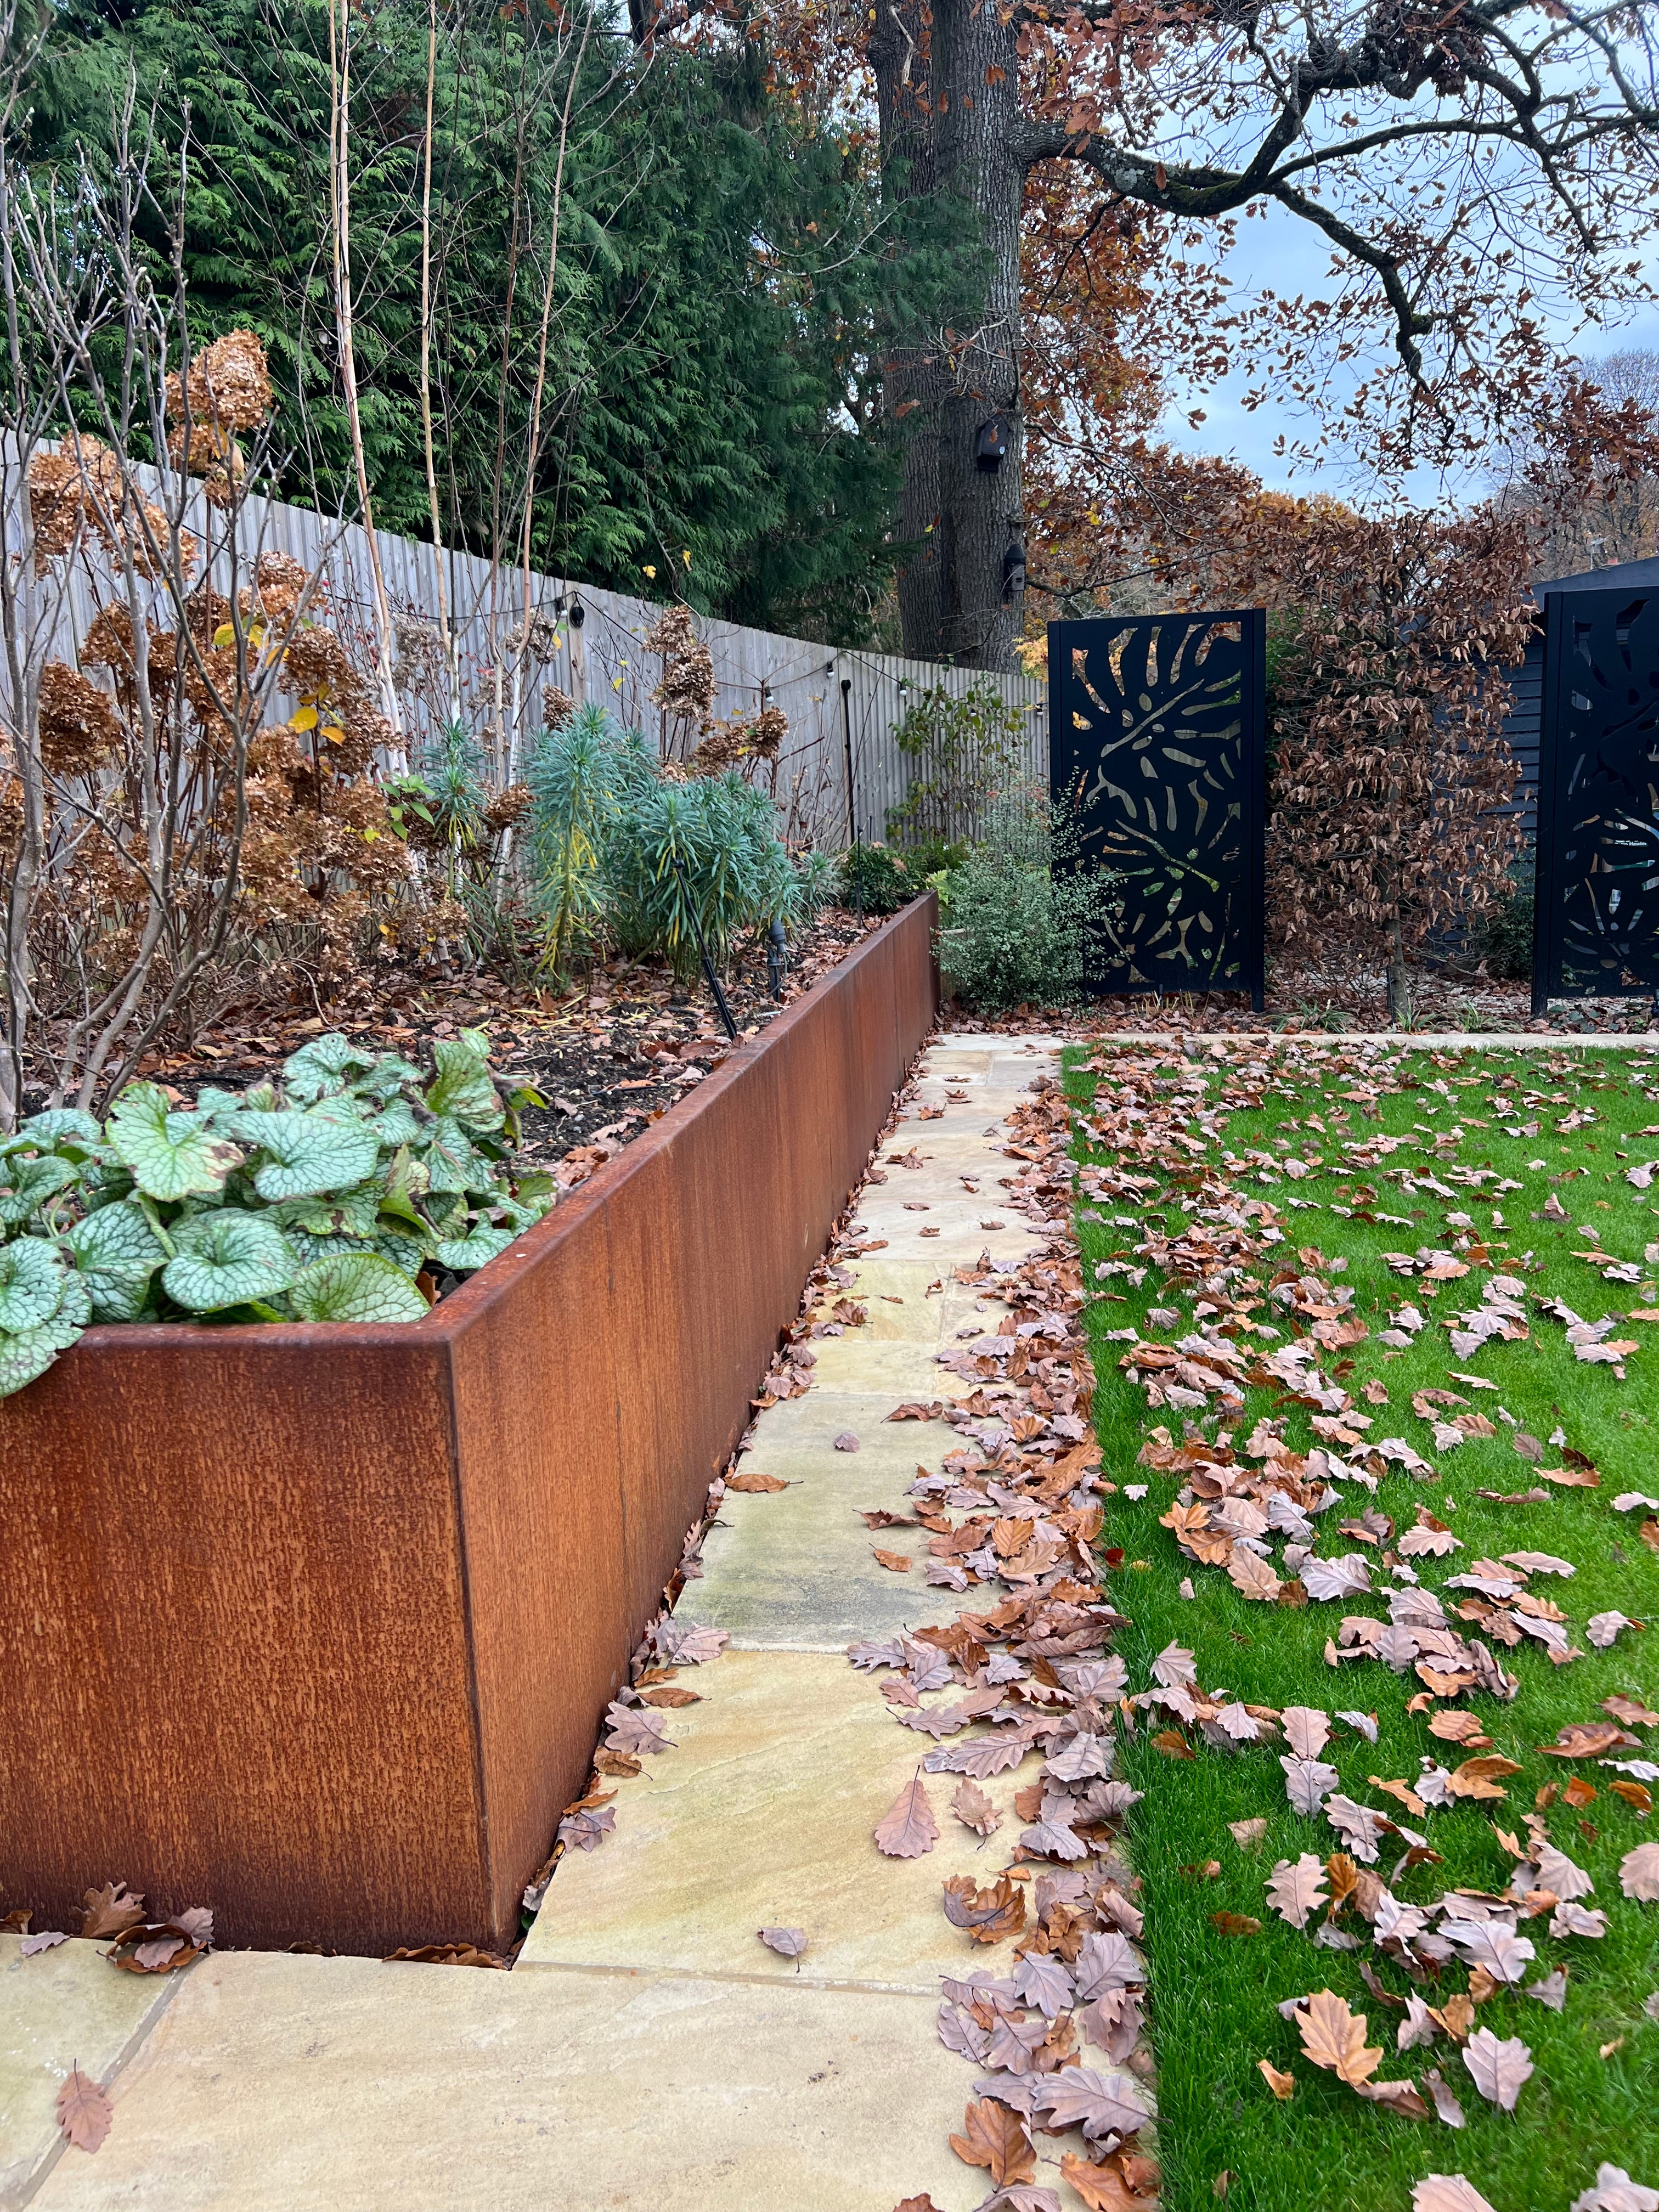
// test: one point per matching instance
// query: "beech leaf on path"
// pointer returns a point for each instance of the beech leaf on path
(846, 1441)
(1497, 2067)
(83, 2110)
(909, 1828)
(994, 2137)
(754, 1484)
(787, 1942)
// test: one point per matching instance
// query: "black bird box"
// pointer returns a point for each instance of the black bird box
(991, 443)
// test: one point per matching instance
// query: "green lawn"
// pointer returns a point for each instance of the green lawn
(1214, 1996)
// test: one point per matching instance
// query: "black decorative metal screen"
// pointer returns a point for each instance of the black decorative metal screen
(1595, 929)
(1156, 749)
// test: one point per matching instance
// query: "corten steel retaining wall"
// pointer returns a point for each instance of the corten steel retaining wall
(316, 1625)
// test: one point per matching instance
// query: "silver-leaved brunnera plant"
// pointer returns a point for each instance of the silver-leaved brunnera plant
(321, 1200)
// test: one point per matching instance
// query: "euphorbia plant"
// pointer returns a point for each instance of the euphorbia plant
(349, 1193)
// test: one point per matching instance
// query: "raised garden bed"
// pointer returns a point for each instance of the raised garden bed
(316, 1624)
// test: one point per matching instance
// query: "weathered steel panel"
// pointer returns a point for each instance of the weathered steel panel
(317, 1624)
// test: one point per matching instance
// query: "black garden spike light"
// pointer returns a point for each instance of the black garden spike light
(703, 950)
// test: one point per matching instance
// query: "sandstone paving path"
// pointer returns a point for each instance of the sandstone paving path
(647, 2051)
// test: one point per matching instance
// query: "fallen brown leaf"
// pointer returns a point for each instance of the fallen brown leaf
(907, 1829)
(1235, 1924)
(447, 1954)
(895, 1562)
(671, 1696)
(1334, 2037)
(1101, 2187)
(755, 1483)
(994, 2137)
(975, 1809)
(83, 2110)
(988, 1915)
(110, 1910)
(787, 1942)
(1282, 2085)
(617, 1763)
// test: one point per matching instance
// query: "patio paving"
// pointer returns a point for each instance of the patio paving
(647, 2051)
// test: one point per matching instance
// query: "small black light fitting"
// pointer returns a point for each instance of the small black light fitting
(578, 614)
(1013, 571)
(775, 943)
(991, 443)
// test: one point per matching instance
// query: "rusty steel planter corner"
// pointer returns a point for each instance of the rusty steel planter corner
(317, 1624)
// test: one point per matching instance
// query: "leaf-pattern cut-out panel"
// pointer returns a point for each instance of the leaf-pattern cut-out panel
(1157, 744)
(1596, 913)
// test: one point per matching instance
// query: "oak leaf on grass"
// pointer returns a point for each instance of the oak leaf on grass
(996, 2138)
(1498, 2067)
(1447, 2192)
(1334, 2037)
(1296, 1892)
(83, 2110)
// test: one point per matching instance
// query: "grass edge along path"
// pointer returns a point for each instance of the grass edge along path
(1214, 1994)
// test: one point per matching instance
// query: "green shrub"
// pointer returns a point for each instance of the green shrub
(318, 1200)
(876, 879)
(1505, 941)
(734, 871)
(606, 828)
(1014, 930)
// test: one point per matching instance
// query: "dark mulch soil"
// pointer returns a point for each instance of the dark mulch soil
(608, 1059)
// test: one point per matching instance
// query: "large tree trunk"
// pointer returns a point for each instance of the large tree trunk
(949, 125)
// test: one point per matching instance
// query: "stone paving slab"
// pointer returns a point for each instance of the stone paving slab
(61, 2008)
(794, 1569)
(278, 2084)
(763, 1817)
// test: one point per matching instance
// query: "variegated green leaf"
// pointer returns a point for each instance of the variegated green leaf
(226, 1260)
(32, 1279)
(32, 1183)
(117, 1253)
(462, 1254)
(462, 1090)
(356, 1286)
(172, 1155)
(307, 1154)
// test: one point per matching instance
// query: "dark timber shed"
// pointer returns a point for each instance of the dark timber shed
(1526, 714)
